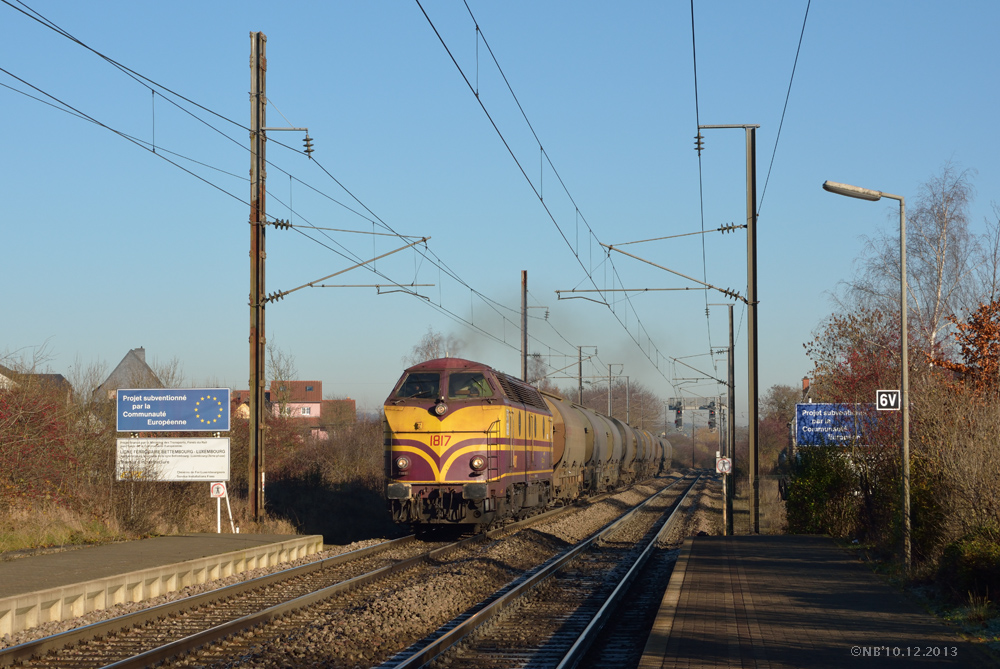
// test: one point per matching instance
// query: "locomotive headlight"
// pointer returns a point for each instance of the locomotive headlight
(478, 463)
(402, 463)
(441, 409)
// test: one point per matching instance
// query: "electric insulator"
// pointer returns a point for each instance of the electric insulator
(699, 143)
(309, 146)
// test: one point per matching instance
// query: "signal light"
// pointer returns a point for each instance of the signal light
(711, 419)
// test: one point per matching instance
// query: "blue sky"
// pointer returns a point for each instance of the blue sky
(109, 247)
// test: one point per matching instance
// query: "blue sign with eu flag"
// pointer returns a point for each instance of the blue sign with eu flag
(821, 424)
(173, 410)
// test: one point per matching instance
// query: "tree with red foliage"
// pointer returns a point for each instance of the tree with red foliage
(979, 344)
(35, 461)
(854, 355)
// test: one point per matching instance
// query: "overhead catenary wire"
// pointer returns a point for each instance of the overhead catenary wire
(535, 189)
(701, 180)
(155, 87)
(69, 109)
(784, 109)
(144, 80)
(142, 145)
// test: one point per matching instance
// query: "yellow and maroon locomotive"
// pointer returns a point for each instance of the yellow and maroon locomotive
(466, 444)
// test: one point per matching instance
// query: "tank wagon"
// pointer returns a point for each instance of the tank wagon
(468, 445)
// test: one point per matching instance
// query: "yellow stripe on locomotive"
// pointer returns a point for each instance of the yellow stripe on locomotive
(443, 450)
(465, 443)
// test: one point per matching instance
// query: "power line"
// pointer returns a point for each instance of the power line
(346, 254)
(142, 145)
(701, 180)
(536, 190)
(785, 108)
(149, 146)
(141, 79)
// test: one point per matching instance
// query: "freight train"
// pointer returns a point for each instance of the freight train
(466, 444)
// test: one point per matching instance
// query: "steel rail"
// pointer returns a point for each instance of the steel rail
(576, 652)
(427, 649)
(39, 647)
(232, 627)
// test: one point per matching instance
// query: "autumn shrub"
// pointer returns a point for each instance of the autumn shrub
(353, 453)
(334, 486)
(820, 497)
(36, 463)
(971, 565)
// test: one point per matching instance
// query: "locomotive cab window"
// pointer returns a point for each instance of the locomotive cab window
(420, 385)
(468, 385)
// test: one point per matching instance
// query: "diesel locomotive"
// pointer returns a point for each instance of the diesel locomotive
(466, 444)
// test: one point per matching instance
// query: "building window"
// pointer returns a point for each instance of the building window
(309, 389)
(306, 411)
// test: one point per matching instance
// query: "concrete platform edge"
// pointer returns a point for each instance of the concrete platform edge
(659, 635)
(20, 612)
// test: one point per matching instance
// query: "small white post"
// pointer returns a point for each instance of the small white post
(232, 526)
(218, 514)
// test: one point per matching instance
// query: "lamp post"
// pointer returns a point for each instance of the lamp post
(874, 195)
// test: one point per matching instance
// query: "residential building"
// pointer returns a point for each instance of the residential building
(131, 372)
(56, 383)
(301, 401)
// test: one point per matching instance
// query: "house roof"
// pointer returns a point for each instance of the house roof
(131, 372)
(243, 397)
(297, 391)
(7, 376)
(10, 377)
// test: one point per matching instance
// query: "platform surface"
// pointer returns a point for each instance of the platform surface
(52, 570)
(792, 601)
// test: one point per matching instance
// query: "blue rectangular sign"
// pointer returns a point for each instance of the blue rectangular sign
(822, 424)
(173, 410)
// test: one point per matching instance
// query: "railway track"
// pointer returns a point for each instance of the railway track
(620, 644)
(554, 614)
(317, 607)
(203, 618)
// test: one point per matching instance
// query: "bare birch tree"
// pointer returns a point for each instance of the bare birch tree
(280, 367)
(433, 345)
(941, 259)
(988, 267)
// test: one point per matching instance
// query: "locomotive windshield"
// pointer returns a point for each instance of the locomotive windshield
(468, 385)
(420, 384)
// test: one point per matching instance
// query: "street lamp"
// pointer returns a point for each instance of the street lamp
(874, 195)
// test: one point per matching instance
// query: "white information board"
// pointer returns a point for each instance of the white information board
(180, 459)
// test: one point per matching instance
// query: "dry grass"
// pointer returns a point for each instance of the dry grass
(979, 609)
(771, 510)
(26, 526)
(29, 527)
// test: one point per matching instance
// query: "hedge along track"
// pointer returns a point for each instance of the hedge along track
(166, 631)
(551, 615)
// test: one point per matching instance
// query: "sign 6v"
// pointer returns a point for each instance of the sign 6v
(887, 400)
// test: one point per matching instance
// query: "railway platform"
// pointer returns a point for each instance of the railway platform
(66, 584)
(792, 601)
